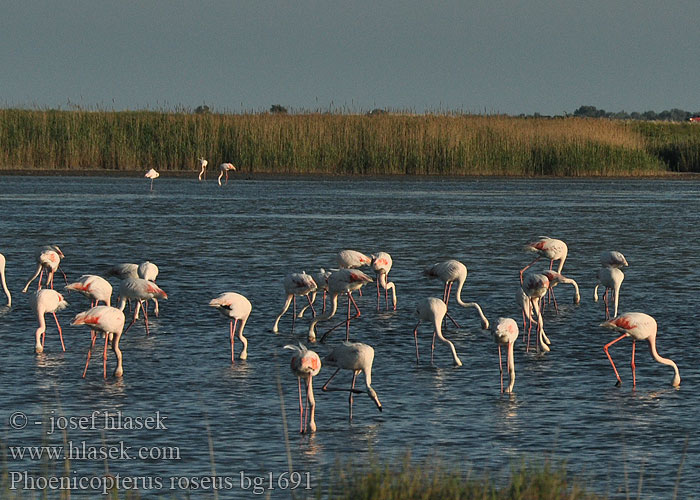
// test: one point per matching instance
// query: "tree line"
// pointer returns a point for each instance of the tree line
(672, 115)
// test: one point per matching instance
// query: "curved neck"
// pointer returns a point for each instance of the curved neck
(511, 367)
(664, 361)
(4, 284)
(561, 263)
(476, 306)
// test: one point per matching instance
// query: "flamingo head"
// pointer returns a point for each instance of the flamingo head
(373, 395)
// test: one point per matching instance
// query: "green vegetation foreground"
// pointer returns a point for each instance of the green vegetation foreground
(343, 144)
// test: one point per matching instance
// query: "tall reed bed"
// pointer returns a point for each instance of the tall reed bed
(320, 143)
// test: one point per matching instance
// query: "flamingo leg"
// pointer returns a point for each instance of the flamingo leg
(354, 377)
(619, 381)
(634, 379)
(104, 358)
(605, 300)
(60, 332)
(226, 177)
(232, 328)
(306, 407)
(415, 336)
(527, 267)
(453, 321)
(145, 318)
(432, 347)
(325, 386)
(41, 275)
(323, 311)
(92, 344)
(500, 365)
(301, 411)
(554, 299)
(378, 295)
(312, 403)
(346, 321)
(311, 305)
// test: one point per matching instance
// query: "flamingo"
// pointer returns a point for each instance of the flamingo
(342, 281)
(203, 165)
(554, 279)
(47, 258)
(546, 247)
(306, 364)
(525, 305)
(321, 280)
(357, 357)
(433, 310)
(224, 168)
(124, 271)
(381, 263)
(110, 321)
(152, 174)
(611, 278)
(237, 308)
(93, 287)
(352, 259)
(139, 289)
(639, 326)
(42, 302)
(535, 286)
(613, 259)
(301, 284)
(448, 272)
(505, 332)
(2, 280)
(149, 271)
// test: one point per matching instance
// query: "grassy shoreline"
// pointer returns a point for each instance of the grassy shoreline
(102, 143)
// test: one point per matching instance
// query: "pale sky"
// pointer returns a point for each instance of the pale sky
(492, 56)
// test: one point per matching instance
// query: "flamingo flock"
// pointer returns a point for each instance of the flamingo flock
(137, 284)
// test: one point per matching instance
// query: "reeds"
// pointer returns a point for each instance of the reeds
(335, 144)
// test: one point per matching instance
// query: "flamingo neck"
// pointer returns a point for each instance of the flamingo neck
(665, 361)
(511, 367)
(561, 263)
(4, 284)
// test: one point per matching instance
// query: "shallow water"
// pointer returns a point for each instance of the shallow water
(246, 236)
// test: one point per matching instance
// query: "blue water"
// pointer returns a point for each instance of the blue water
(248, 235)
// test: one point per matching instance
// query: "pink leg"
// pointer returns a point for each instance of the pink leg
(432, 348)
(619, 381)
(301, 411)
(104, 357)
(60, 333)
(500, 365)
(306, 407)
(354, 377)
(378, 295)
(415, 336)
(527, 267)
(311, 305)
(92, 344)
(294, 316)
(234, 324)
(634, 379)
(145, 318)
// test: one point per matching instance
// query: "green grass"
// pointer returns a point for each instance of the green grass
(344, 144)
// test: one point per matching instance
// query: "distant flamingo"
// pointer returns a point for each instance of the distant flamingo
(94, 288)
(611, 278)
(321, 280)
(343, 281)
(356, 357)
(109, 321)
(224, 169)
(381, 263)
(47, 258)
(140, 290)
(613, 259)
(505, 332)
(535, 286)
(639, 326)
(42, 302)
(305, 365)
(448, 272)
(433, 310)
(152, 174)
(124, 271)
(352, 259)
(554, 279)
(149, 271)
(525, 305)
(203, 165)
(237, 308)
(2, 280)
(301, 284)
(547, 247)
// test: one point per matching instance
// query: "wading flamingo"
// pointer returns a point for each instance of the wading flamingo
(611, 278)
(352, 259)
(140, 290)
(47, 258)
(381, 263)
(525, 305)
(505, 333)
(356, 357)
(94, 288)
(613, 259)
(2, 280)
(203, 165)
(149, 271)
(152, 174)
(300, 284)
(305, 365)
(554, 279)
(535, 286)
(42, 302)
(321, 280)
(343, 281)
(236, 308)
(223, 171)
(639, 326)
(109, 321)
(448, 272)
(549, 248)
(433, 310)
(124, 271)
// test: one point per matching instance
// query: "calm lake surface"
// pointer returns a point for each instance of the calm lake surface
(248, 235)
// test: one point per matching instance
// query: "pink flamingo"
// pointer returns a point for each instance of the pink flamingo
(525, 305)
(124, 271)
(611, 278)
(305, 365)
(535, 286)
(321, 280)
(224, 169)
(448, 272)
(152, 174)
(356, 357)
(554, 279)
(94, 288)
(203, 165)
(301, 284)
(433, 310)
(140, 290)
(109, 321)
(639, 326)
(47, 258)
(613, 259)
(381, 264)
(2, 280)
(505, 332)
(42, 302)
(352, 259)
(343, 281)
(149, 271)
(547, 247)
(237, 308)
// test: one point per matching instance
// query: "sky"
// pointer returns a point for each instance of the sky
(492, 56)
